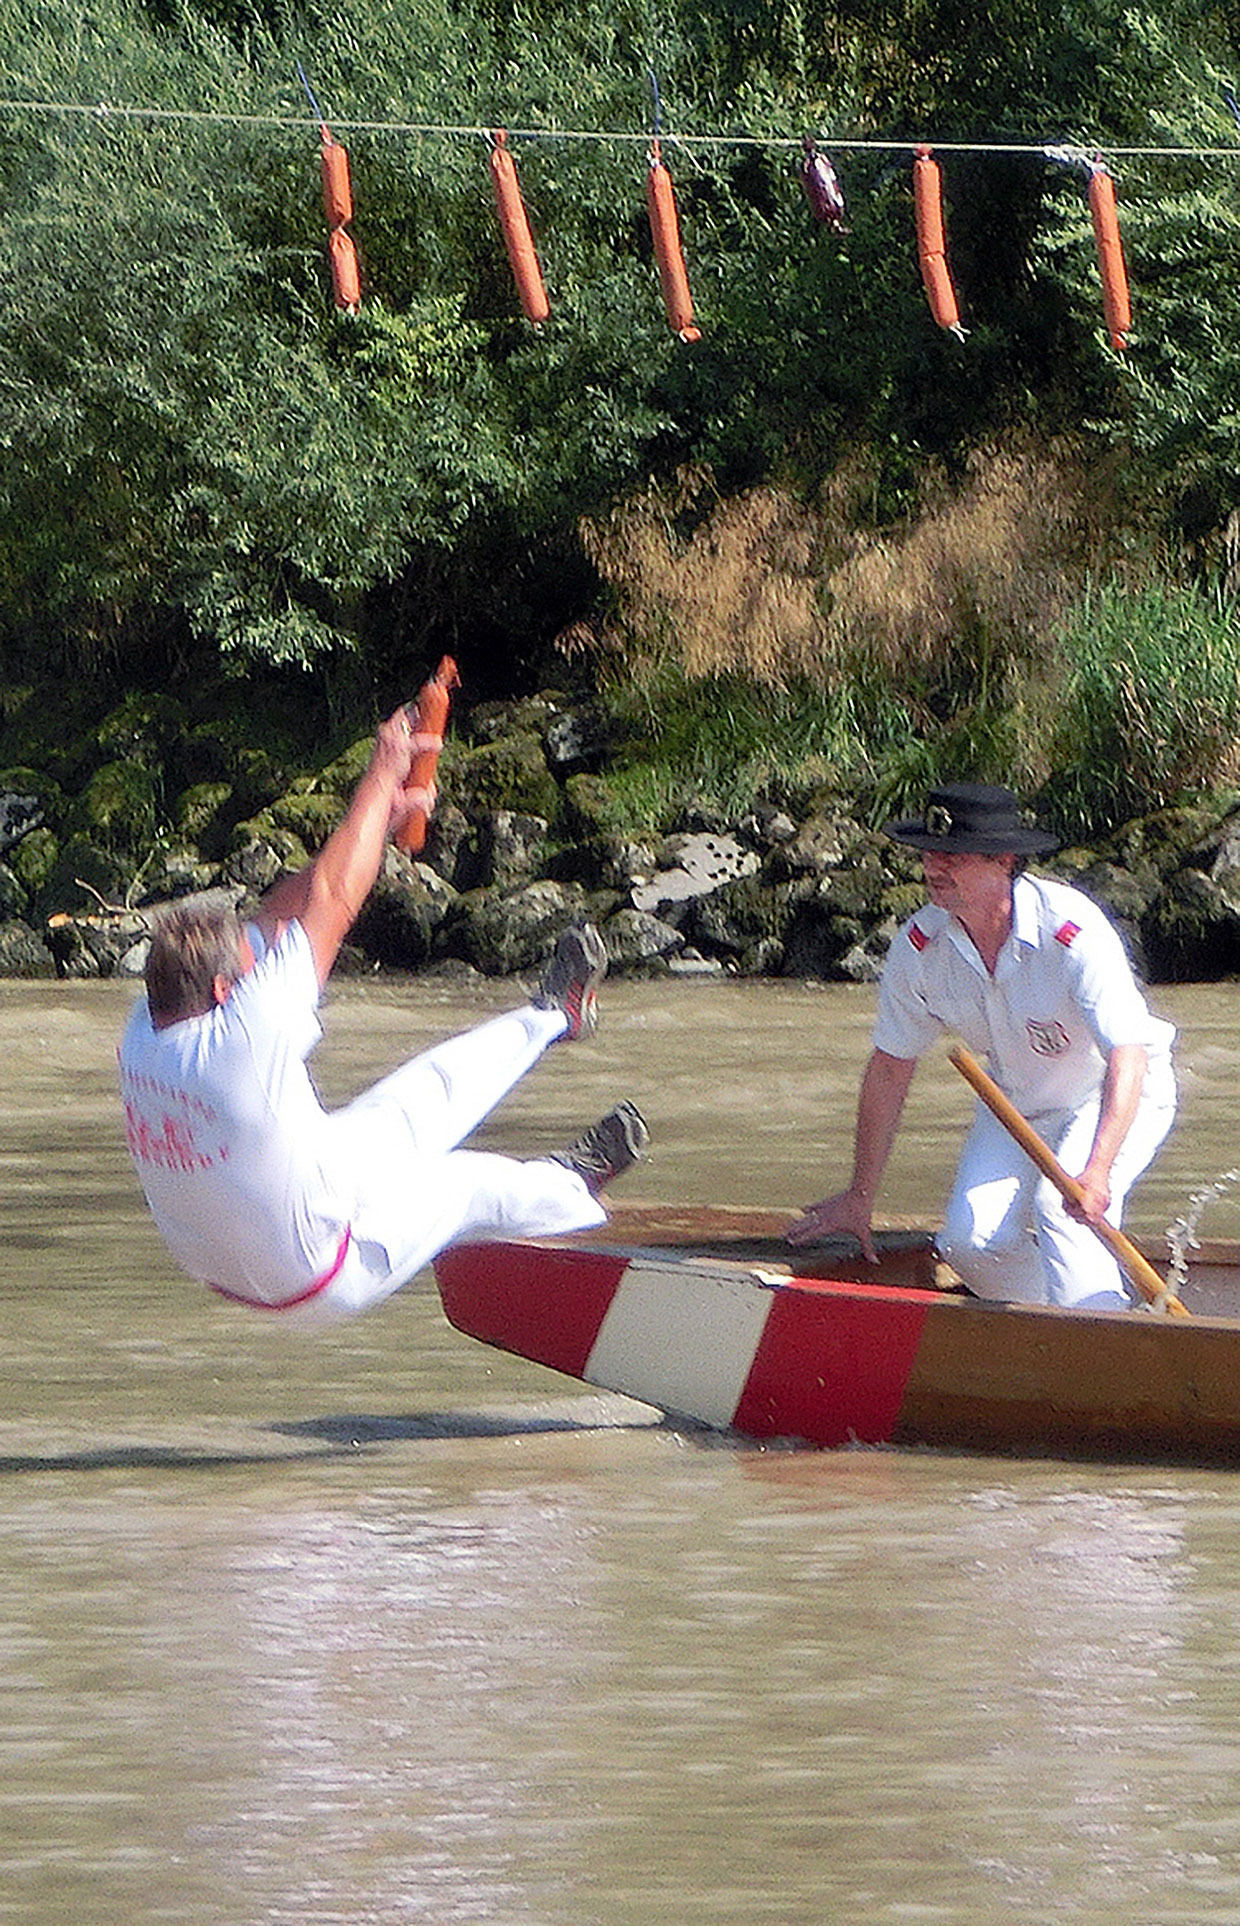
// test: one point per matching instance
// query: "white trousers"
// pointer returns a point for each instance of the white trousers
(1006, 1230)
(394, 1149)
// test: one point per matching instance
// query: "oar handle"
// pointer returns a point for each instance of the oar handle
(1151, 1286)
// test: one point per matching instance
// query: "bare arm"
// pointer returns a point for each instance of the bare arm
(1121, 1095)
(326, 896)
(884, 1087)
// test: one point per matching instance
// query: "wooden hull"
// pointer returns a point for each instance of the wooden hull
(710, 1317)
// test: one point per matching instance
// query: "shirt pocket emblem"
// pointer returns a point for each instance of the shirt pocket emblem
(1047, 1039)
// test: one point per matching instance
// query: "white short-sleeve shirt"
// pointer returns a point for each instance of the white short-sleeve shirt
(1062, 997)
(227, 1133)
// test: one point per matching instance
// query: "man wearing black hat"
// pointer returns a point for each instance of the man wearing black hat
(1032, 974)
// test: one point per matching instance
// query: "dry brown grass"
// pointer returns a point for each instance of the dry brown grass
(774, 588)
(725, 584)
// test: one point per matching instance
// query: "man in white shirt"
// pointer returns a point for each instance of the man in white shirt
(1031, 973)
(276, 1202)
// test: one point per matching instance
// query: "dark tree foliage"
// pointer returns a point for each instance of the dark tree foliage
(200, 458)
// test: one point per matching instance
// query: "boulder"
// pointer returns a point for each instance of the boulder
(635, 939)
(511, 848)
(451, 847)
(22, 953)
(82, 878)
(14, 896)
(18, 816)
(511, 773)
(33, 860)
(694, 865)
(119, 807)
(1191, 932)
(262, 851)
(502, 932)
(403, 914)
(575, 738)
(745, 921)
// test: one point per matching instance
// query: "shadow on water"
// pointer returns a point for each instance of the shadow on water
(350, 1431)
(124, 1457)
(329, 1437)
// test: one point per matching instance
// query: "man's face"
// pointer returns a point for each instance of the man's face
(961, 881)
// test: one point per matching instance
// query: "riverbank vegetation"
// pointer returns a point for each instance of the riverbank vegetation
(826, 544)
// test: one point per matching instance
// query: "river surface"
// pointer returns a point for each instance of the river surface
(382, 1626)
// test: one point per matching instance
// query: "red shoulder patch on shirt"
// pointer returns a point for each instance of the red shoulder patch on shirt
(917, 937)
(1066, 933)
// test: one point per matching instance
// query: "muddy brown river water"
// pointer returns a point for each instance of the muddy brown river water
(381, 1626)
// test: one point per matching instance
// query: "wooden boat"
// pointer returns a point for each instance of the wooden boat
(708, 1315)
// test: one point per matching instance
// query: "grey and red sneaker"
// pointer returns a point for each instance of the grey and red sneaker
(571, 979)
(608, 1148)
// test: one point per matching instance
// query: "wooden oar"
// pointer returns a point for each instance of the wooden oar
(1151, 1286)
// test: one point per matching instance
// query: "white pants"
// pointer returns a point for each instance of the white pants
(415, 1192)
(1006, 1230)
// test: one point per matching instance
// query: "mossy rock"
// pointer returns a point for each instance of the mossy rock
(901, 900)
(503, 931)
(593, 810)
(118, 808)
(740, 915)
(509, 774)
(21, 781)
(345, 771)
(1158, 842)
(23, 952)
(491, 722)
(202, 815)
(1190, 935)
(263, 831)
(258, 777)
(14, 896)
(143, 727)
(310, 813)
(33, 859)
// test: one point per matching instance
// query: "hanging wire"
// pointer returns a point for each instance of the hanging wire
(449, 130)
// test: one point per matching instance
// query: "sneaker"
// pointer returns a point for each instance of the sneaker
(571, 979)
(608, 1148)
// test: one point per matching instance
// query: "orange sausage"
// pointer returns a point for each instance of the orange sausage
(1116, 304)
(346, 276)
(337, 192)
(429, 717)
(517, 237)
(932, 243)
(665, 233)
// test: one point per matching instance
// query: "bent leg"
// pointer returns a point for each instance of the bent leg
(1078, 1265)
(464, 1195)
(988, 1227)
(435, 1100)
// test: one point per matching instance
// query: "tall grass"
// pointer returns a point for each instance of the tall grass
(764, 646)
(720, 743)
(1149, 713)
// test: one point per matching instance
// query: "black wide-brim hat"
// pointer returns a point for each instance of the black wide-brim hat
(972, 816)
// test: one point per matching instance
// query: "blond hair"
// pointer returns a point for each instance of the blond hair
(191, 945)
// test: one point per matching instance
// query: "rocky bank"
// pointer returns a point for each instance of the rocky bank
(528, 835)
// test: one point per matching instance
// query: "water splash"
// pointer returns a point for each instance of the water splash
(1182, 1234)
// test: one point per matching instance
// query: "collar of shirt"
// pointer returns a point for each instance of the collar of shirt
(1025, 930)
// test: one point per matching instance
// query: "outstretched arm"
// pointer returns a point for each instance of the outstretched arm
(884, 1087)
(326, 896)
